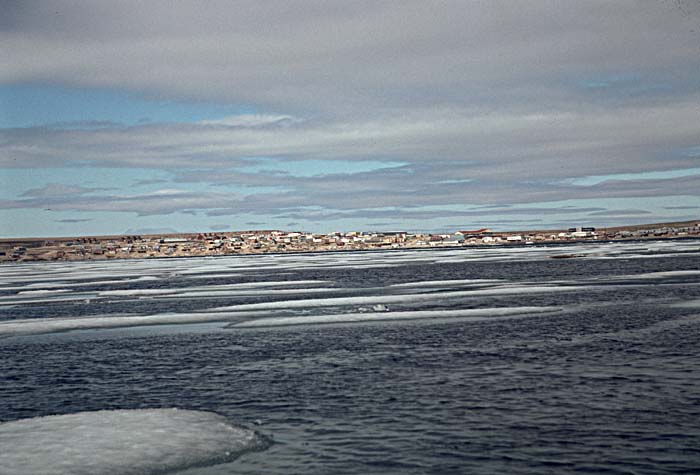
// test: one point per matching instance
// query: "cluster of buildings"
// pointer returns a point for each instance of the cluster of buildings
(254, 242)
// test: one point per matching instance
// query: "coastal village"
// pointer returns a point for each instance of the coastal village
(270, 241)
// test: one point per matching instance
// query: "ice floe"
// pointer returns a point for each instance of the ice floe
(29, 293)
(695, 303)
(53, 325)
(37, 296)
(246, 286)
(62, 297)
(122, 442)
(137, 292)
(662, 275)
(404, 298)
(244, 313)
(445, 283)
(478, 314)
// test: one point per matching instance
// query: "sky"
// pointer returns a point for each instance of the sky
(159, 116)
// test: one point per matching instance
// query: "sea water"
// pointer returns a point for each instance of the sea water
(469, 360)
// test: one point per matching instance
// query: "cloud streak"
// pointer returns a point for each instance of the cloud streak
(162, 202)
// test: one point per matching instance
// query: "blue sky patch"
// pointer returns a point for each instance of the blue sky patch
(31, 105)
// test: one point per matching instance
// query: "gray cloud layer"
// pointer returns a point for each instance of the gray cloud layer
(340, 55)
(484, 103)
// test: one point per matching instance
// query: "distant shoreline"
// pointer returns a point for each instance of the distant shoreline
(214, 244)
(629, 227)
(562, 244)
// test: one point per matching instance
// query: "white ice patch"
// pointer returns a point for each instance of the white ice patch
(29, 293)
(14, 300)
(189, 291)
(36, 326)
(123, 442)
(384, 299)
(445, 283)
(53, 325)
(661, 275)
(136, 292)
(80, 272)
(91, 283)
(687, 304)
(212, 276)
(277, 283)
(255, 293)
(478, 314)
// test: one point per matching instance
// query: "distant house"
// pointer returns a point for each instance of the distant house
(173, 240)
(580, 234)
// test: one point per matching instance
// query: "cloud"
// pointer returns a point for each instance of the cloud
(610, 213)
(58, 190)
(323, 215)
(71, 221)
(252, 120)
(400, 193)
(156, 203)
(403, 188)
(681, 207)
(83, 124)
(485, 104)
(356, 55)
(592, 140)
(154, 181)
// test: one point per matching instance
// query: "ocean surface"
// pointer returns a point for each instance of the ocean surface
(469, 360)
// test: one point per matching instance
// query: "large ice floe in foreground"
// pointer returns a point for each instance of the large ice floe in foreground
(123, 442)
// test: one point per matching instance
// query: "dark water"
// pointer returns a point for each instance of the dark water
(605, 379)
